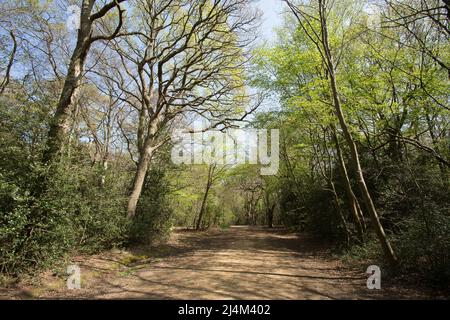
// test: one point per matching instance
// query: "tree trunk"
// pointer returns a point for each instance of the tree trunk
(387, 248)
(353, 204)
(205, 197)
(442, 168)
(339, 211)
(270, 216)
(269, 209)
(139, 180)
(60, 123)
(202, 208)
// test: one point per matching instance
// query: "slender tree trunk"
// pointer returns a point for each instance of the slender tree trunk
(60, 123)
(202, 209)
(387, 248)
(353, 203)
(141, 127)
(104, 164)
(442, 168)
(5, 81)
(339, 211)
(385, 244)
(105, 155)
(216, 216)
(205, 197)
(269, 209)
(195, 219)
(270, 216)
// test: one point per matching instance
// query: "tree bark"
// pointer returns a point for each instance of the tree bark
(60, 124)
(5, 81)
(442, 168)
(270, 216)
(138, 182)
(202, 208)
(145, 156)
(339, 211)
(269, 209)
(353, 203)
(205, 197)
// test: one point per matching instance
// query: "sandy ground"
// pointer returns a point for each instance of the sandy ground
(236, 263)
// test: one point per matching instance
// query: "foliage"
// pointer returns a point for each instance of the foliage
(394, 98)
(154, 218)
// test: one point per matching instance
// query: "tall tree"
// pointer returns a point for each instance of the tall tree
(186, 60)
(314, 22)
(60, 123)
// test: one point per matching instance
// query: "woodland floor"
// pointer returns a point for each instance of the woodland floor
(236, 263)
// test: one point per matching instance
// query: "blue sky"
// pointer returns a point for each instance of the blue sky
(272, 16)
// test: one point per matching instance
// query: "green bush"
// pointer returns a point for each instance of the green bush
(32, 232)
(72, 214)
(154, 216)
(424, 245)
(47, 212)
(322, 217)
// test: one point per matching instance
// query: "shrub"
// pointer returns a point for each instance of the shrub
(154, 217)
(60, 212)
(424, 245)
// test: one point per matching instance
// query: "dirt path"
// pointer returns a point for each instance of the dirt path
(237, 263)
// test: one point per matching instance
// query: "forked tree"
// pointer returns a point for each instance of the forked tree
(180, 59)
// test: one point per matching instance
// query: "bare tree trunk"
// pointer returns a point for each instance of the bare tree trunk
(442, 168)
(216, 217)
(202, 208)
(60, 124)
(138, 182)
(105, 156)
(353, 204)
(195, 216)
(387, 248)
(205, 197)
(145, 157)
(270, 216)
(269, 209)
(5, 81)
(339, 211)
(150, 145)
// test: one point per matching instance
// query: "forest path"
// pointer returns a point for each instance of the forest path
(240, 262)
